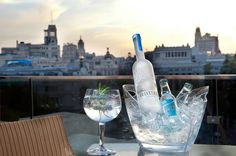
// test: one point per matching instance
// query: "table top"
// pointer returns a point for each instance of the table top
(132, 149)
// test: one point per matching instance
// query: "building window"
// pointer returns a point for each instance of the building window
(157, 55)
(52, 33)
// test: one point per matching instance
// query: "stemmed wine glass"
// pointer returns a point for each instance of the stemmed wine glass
(102, 105)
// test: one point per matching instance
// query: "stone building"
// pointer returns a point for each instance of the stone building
(101, 65)
(184, 60)
(172, 60)
(69, 51)
(49, 48)
(206, 43)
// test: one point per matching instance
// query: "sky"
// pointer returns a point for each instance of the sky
(111, 23)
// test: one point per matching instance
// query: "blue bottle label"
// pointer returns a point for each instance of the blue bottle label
(169, 106)
(137, 42)
(140, 48)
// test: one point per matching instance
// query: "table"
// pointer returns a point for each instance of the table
(132, 149)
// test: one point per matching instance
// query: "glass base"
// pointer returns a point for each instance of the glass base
(142, 152)
(164, 148)
(100, 150)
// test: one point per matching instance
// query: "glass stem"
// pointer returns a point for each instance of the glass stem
(101, 134)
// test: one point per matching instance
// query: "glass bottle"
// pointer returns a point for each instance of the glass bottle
(167, 100)
(145, 83)
(183, 94)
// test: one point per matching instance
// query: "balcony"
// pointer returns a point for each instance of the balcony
(26, 97)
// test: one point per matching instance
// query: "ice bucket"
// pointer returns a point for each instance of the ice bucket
(155, 136)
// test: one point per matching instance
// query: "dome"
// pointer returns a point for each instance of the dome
(108, 55)
(198, 29)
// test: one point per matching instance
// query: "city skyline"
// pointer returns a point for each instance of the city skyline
(111, 24)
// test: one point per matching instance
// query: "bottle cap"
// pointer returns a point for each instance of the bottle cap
(163, 82)
(137, 43)
(188, 86)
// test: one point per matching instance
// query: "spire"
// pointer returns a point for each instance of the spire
(80, 40)
(51, 17)
(81, 50)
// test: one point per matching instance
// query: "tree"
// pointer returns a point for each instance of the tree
(207, 68)
(229, 66)
(233, 67)
(225, 69)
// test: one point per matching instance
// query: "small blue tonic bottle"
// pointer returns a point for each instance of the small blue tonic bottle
(167, 100)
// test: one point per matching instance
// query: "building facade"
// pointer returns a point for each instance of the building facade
(69, 51)
(172, 60)
(46, 60)
(49, 48)
(102, 65)
(184, 60)
(206, 43)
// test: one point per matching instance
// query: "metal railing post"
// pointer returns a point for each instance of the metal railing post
(31, 97)
(217, 112)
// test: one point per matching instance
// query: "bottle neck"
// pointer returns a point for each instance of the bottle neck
(165, 89)
(187, 87)
(140, 55)
(185, 90)
(138, 47)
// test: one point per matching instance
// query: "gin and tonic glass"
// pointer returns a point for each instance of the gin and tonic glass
(102, 106)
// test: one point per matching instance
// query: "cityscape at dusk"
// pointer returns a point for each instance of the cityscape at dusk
(160, 75)
(107, 23)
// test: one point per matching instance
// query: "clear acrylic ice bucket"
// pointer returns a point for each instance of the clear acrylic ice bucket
(158, 137)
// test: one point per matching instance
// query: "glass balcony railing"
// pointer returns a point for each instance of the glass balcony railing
(26, 97)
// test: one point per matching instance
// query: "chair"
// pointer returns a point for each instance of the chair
(44, 136)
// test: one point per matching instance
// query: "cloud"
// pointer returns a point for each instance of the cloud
(7, 1)
(111, 23)
(31, 10)
(26, 19)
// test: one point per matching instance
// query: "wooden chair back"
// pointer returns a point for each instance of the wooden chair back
(44, 136)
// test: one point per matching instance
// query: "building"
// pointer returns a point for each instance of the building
(9, 50)
(206, 43)
(182, 60)
(81, 50)
(216, 62)
(172, 60)
(101, 65)
(69, 52)
(5, 57)
(49, 48)
(126, 64)
(45, 58)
